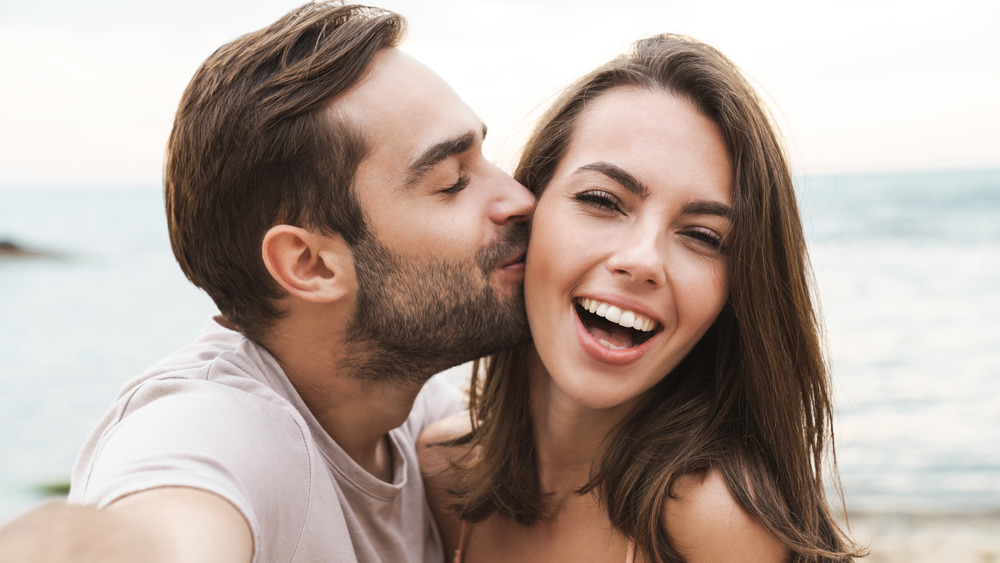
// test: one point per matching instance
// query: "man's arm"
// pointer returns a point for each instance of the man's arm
(163, 524)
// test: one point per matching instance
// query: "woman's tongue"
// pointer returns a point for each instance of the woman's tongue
(618, 337)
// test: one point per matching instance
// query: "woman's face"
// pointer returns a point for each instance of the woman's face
(626, 268)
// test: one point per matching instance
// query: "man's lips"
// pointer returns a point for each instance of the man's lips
(516, 260)
(505, 254)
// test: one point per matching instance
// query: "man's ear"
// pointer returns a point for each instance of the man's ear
(312, 267)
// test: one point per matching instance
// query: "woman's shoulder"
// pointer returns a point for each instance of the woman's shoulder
(706, 523)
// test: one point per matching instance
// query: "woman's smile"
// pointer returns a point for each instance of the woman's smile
(613, 327)
(611, 334)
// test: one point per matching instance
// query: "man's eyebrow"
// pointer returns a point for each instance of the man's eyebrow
(439, 152)
(619, 175)
(703, 207)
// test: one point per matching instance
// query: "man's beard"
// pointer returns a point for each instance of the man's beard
(415, 317)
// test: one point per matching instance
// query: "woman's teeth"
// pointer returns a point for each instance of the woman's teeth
(627, 319)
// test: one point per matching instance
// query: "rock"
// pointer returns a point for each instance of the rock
(12, 250)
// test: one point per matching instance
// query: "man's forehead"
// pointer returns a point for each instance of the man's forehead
(404, 107)
(395, 79)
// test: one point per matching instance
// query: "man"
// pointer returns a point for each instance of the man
(330, 194)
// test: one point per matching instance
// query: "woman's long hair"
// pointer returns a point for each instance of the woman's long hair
(751, 400)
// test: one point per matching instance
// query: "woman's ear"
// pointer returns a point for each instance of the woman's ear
(313, 267)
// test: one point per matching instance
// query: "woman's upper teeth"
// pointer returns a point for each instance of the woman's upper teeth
(625, 318)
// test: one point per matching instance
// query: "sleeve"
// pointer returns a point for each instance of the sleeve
(206, 436)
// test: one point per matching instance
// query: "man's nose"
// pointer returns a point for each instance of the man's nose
(513, 202)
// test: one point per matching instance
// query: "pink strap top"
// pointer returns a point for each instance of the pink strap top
(467, 530)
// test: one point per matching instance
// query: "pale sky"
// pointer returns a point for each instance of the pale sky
(90, 88)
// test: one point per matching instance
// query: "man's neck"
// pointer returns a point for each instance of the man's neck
(356, 413)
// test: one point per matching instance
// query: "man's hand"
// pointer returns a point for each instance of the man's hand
(165, 524)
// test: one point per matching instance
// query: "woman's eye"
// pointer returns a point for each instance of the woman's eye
(600, 199)
(707, 237)
(461, 184)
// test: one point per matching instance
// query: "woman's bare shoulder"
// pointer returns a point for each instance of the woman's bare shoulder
(706, 523)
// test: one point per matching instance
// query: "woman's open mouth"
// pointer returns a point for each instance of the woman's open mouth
(615, 328)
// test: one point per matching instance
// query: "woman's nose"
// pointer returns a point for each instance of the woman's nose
(641, 256)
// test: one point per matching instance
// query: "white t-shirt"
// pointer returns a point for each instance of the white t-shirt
(221, 416)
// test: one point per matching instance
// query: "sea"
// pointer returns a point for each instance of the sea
(907, 267)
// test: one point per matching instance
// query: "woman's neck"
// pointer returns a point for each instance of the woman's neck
(569, 436)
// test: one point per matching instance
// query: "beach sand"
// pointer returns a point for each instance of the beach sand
(899, 538)
(918, 538)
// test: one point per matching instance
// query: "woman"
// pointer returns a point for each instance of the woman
(675, 403)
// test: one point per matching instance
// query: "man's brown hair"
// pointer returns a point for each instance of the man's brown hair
(256, 143)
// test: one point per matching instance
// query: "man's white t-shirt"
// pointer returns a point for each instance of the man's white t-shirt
(221, 416)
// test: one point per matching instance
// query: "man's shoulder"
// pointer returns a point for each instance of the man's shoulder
(220, 362)
(206, 406)
(207, 397)
(207, 418)
(181, 412)
(215, 346)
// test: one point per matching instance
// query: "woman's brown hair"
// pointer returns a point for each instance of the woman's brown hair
(752, 399)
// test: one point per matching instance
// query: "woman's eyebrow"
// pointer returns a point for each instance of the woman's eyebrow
(619, 175)
(632, 184)
(704, 207)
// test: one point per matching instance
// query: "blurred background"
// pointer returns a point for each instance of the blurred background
(890, 115)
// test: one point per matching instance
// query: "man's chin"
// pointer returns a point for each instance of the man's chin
(507, 285)
(514, 329)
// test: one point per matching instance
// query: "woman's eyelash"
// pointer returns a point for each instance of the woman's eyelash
(606, 201)
(461, 184)
(600, 199)
(708, 237)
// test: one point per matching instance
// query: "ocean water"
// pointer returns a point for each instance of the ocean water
(907, 269)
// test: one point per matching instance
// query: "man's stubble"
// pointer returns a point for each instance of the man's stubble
(415, 317)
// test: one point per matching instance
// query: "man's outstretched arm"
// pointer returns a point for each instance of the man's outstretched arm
(163, 524)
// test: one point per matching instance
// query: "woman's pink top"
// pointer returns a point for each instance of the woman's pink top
(467, 529)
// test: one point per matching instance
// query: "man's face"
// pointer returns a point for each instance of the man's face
(440, 273)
